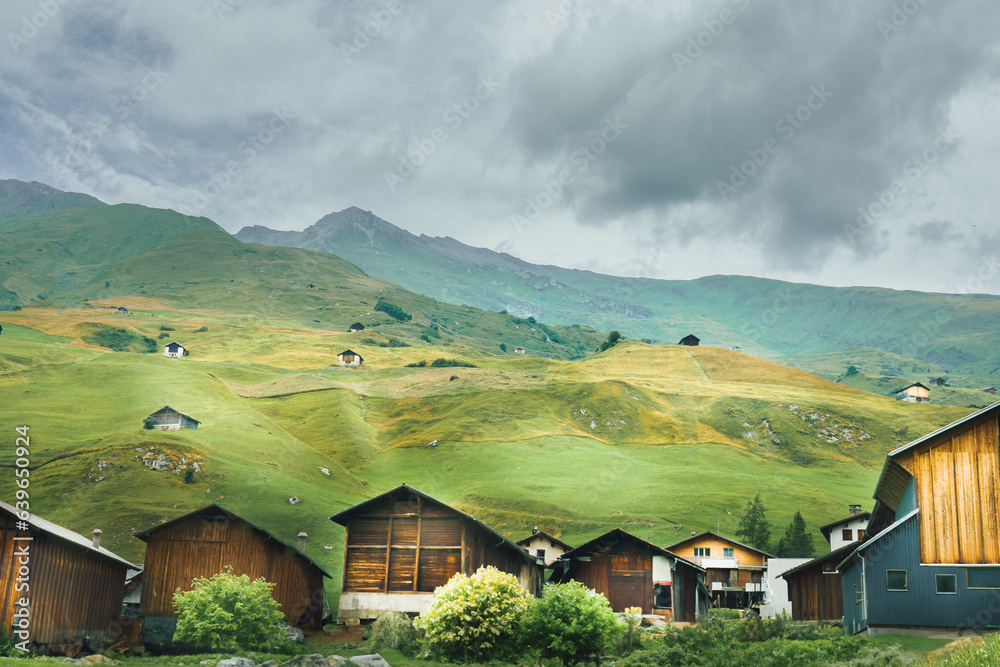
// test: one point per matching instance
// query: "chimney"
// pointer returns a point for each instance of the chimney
(854, 509)
(97, 537)
(302, 542)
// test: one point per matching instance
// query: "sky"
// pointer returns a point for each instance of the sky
(849, 143)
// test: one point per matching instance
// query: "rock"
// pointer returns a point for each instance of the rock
(268, 663)
(294, 500)
(308, 660)
(207, 662)
(370, 660)
(235, 662)
(295, 635)
(98, 659)
(338, 661)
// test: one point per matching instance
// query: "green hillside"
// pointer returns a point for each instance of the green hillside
(769, 318)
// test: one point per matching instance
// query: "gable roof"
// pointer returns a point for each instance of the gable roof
(167, 407)
(828, 528)
(343, 516)
(346, 352)
(836, 556)
(145, 534)
(858, 547)
(721, 537)
(548, 537)
(62, 533)
(915, 384)
(943, 429)
(173, 342)
(619, 534)
(689, 337)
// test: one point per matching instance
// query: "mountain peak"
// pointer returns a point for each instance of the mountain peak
(26, 198)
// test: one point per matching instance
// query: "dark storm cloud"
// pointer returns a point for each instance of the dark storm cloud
(705, 97)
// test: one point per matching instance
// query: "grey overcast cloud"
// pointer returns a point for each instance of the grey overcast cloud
(847, 143)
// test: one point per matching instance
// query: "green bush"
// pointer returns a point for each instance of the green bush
(474, 619)
(449, 363)
(394, 631)
(417, 364)
(149, 423)
(393, 310)
(986, 654)
(229, 612)
(166, 328)
(201, 330)
(569, 622)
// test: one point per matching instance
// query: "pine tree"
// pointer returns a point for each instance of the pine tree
(754, 528)
(796, 542)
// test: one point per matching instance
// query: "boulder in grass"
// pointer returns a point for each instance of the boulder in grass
(235, 662)
(308, 660)
(370, 660)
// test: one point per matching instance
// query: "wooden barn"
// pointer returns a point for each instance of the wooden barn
(815, 588)
(201, 544)
(122, 310)
(932, 558)
(690, 340)
(174, 349)
(939, 382)
(632, 572)
(168, 419)
(734, 571)
(545, 548)
(915, 393)
(990, 390)
(349, 358)
(402, 544)
(73, 586)
(354, 328)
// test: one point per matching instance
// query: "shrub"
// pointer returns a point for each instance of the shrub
(201, 330)
(474, 619)
(417, 364)
(449, 363)
(149, 423)
(393, 310)
(394, 631)
(503, 347)
(569, 622)
(229, 612)
(189, 475)
(166, 328)
(425, 338)
(612, 340)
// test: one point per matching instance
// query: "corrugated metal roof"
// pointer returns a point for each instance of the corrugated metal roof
(927, 437)
(832, 555)
(61, 532)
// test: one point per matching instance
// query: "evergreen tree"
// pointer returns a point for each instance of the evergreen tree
(754, 528)
(796, 542)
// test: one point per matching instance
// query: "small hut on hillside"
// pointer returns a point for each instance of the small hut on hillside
(915, 393)
(690, 340)
(349, 358)
(74, 587)
(401, 545)
(174, 349)
(122, 310)
(168, 419)
(201, 544)
(354, 328)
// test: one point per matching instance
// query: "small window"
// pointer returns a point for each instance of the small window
(705, 552)
(858, 596)
(895, 580)
(946, 584)
(540, 553)
(727, 553)
(661, 596)
(847, 535)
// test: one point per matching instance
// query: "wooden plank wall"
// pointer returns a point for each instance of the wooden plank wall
(181, 552)
(957, 479)
(816, 596)
(623, 573)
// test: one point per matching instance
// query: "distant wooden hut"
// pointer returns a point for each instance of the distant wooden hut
(168, 419)
(354, 328)
(939, 382)
(201, 544)
(349, 358)
(915, 393)
(401, 545)
(519, 350)
(122, 310)
(990, 390)
(632, 572)
(545, 548)
(690, 340)
(174, 349)
(73, 586)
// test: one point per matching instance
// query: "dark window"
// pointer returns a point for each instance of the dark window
(858, 597)
(540, 553)
(727, 553)
(946, 584)
(982, 577)
(703, 551)
(895, 580)
(847, 535)
(661, 596)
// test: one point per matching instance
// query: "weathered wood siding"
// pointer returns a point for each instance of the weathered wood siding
(74, 593)
(957, 482)
(815, 595)
(201, 547)
(623, 573)
(405, 544)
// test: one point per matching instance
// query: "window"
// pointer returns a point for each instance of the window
(895, 580)
(847, 535)
(946, 584)
(727, 553)
(858, 596)
(703, 551)
(661, 596)
(982, 577)
(540, 553)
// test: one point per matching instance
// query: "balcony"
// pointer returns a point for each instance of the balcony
(715, 563)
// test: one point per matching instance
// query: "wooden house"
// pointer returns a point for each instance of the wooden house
(690, 340)
(168, 419)
(349, 358)
(122, 310)
(201, 544)
(990, 390)
(401, 545)
(72, 585)
(915, 393)
(545, 548)
(847, 530)
(939, 382)
(734, 571)
(632, 572)
(815, 588)
(932, 558)
(174, 349)
(354, 328)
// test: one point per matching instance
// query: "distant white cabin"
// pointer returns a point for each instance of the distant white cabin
(545, 548)
(349, 358)
(174, 349)
(519, 350)
(847, 530)
(915, 393)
